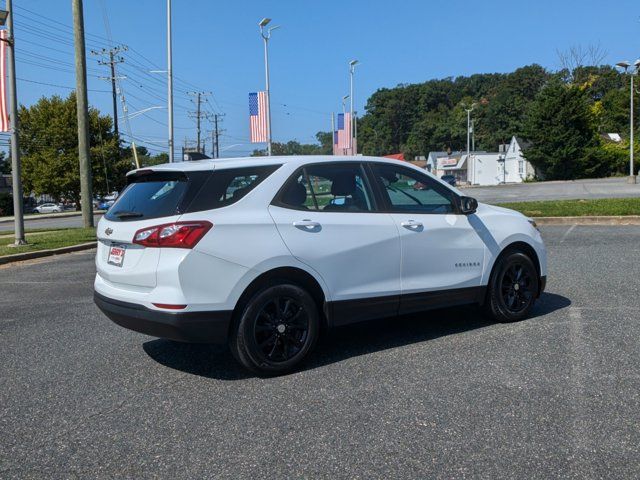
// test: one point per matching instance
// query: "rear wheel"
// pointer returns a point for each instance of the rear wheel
(276, 331)
(512, 288)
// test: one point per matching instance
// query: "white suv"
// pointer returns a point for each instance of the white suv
(263, 252)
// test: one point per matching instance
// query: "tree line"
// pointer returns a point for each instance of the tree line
(49, 151)
(561, 114)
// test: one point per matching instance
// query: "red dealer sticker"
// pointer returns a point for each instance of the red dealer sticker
(116, 255)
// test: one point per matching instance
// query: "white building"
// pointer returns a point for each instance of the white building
(484, 168)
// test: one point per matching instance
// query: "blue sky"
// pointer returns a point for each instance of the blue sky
(217, 48)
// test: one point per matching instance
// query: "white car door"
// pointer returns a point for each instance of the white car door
(326, 215)
(442, 254)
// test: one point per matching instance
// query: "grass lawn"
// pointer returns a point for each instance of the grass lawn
(52, 239)
(577, 208)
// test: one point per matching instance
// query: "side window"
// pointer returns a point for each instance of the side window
(409, 191)
(328, 187)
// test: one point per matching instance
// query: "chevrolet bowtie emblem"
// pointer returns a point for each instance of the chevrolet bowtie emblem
(108, 231)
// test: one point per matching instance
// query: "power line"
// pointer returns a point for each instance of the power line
(57, 86)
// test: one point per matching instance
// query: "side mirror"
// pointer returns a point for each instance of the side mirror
(468, 205)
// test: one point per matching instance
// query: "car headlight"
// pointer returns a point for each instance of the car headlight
(533, 223)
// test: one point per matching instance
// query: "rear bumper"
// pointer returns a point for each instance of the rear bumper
(191, 327)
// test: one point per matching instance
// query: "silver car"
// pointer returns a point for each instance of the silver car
(48, 208)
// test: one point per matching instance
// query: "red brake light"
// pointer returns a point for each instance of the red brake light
(173, 235)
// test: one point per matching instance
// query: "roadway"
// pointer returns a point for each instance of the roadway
(557, 190)
(445, 394)
(63, 221)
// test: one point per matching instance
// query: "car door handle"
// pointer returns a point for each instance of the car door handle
(306, 225)
(412, 225)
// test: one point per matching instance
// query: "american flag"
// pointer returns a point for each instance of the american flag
(344, 132)
(4, 117)
(258, 117)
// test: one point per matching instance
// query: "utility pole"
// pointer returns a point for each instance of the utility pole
(198, 114)
(18, 218)
(113, 59)
(83, 114)
(170, 82)
(215, 133)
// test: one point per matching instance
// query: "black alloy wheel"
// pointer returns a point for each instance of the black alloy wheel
(513, 287)
(516, 287)
(276, 329)
(281, 328)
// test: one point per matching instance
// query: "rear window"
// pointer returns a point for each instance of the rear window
(164, 194)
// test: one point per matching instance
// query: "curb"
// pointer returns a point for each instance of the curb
(589, 220)
(19, 257)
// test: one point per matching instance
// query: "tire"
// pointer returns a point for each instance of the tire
(513, 288)
(276, 330)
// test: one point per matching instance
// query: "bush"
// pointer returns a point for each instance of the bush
(6, 204)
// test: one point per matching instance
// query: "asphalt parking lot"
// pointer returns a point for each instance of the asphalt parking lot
(443, 394)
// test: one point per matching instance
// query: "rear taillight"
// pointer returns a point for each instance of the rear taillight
(173, 235)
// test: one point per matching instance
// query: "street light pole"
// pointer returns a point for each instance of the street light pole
(633, 72)
(632, 177)
(469, 110)
(352, 141)
(16, 180)
(266, 35)
(170, 82)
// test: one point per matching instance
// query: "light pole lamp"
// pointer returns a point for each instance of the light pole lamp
(352, 139)
(632, 71)
(265, 33)
(344, 103)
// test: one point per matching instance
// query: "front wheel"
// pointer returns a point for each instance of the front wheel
(513, 288)
(277, 329)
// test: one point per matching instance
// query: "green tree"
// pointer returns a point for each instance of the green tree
(561, 126)
(293, 147)
(49, 145)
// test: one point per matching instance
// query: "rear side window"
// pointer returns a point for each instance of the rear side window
(164, 194)
(226, 187)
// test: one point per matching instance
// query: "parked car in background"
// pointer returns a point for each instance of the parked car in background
(450, 179)
(105, 205)
(265, 253)
(48, 208)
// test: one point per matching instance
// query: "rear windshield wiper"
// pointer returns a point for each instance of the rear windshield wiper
(127, 214)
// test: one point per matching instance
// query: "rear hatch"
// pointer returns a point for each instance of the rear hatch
(150, 198)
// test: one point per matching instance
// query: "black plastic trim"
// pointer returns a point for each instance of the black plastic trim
(345, 312)
(191, 327)
(418, 302)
